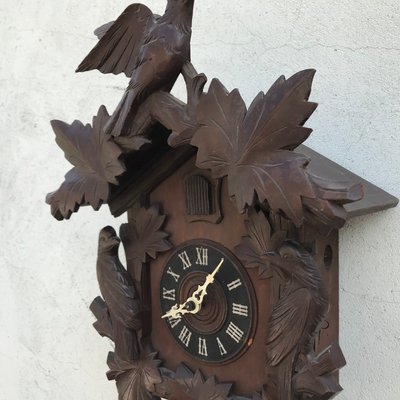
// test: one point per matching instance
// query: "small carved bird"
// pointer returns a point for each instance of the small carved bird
(119, 293)
(299, 313)
(149, 49)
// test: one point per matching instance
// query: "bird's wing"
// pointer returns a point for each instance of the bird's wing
(102, 30)
(117, 51)
(287, 324)
(120, 295)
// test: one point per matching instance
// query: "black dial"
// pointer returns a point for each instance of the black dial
(206, 299)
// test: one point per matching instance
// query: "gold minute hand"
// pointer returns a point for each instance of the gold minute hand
(193, 304)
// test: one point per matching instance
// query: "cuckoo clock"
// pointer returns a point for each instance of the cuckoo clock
(231, 283)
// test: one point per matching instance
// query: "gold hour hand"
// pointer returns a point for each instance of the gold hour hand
(193, 304)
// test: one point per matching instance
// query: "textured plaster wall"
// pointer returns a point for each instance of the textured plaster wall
(48, 349)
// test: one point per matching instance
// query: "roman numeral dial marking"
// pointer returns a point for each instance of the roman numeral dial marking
(235, 284)
(185, 336)
(221, 347)
(240, 309)
(185, 260)
(173, 274)
(234, 332)
(174, 322)
(202, 256)
(169, 294)
(203, 347)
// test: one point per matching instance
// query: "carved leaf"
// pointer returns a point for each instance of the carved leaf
(253, 147)
(144, 237)
(260, 240)
(189, 386)
(96, 160)
(135, 379)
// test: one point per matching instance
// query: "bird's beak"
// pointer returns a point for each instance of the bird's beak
(271, 253)
(115, 240)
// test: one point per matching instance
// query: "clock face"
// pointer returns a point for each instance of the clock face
(213, 327)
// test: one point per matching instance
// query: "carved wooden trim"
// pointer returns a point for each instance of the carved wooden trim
(300, 303)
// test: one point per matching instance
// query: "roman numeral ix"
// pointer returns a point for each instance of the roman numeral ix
(169, 294)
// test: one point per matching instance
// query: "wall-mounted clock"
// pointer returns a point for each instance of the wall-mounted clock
(231, 285)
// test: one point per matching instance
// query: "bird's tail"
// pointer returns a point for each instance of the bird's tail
(126, 343)
(121, 120)
(281, 387)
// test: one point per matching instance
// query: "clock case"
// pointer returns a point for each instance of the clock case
(192, 171)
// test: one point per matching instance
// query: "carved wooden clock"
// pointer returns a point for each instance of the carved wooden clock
(231, 285)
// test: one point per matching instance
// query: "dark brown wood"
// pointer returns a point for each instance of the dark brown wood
(96, 160)
(149, 50)
(146, 175)
(375, 199)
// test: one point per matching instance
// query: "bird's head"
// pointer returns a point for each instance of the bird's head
(179, 4)
(108, 240)
(297, 263)
(291, 256)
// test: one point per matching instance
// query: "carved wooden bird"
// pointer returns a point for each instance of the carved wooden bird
(299, 313)
(149, 49)
(119, 293)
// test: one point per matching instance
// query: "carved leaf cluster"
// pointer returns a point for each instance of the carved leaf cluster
(97, 163)
(259, 241)
(189, 386)
(135, 379)
(144, 237)
(254, 147)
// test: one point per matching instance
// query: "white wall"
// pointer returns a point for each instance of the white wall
(48, 349)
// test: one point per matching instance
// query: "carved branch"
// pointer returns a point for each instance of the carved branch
(318, 376)
(103, 324)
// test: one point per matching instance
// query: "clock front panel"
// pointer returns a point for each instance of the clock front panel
(225, 338)
(219, 327)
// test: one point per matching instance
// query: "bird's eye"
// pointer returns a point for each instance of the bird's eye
(102, 239)
(286, 256)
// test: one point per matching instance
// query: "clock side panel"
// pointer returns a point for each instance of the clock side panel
(247, 371)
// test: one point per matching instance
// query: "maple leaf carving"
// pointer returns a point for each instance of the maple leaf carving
(97, 163)
(259, 241)
(144, 237)
(254, 147)
(189, 386)
(135, 379)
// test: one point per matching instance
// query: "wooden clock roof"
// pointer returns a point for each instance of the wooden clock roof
(162, 162)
